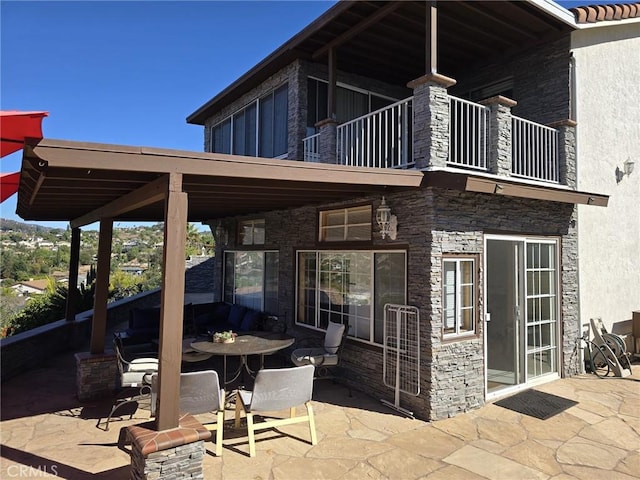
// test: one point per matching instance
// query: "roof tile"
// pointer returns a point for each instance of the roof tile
(608, 12)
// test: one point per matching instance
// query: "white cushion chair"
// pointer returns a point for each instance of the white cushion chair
(134, 374)
(326, 356)
(275, 390)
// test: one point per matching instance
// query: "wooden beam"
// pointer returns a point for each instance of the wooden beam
(72, 289)
(172, 305)
(152, 192)
(99, 324)
(39, 183)
(357, 29)
(431, 37)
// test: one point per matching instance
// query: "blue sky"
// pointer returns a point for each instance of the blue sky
(131, 72)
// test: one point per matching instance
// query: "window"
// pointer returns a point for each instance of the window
(259, 129)
(251, 279)
(251, 232)
(351, 103)
(350, 286)
(346, 224)
(459, 297)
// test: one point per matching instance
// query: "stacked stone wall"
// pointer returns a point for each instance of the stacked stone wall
(540, 81)
(431, 223)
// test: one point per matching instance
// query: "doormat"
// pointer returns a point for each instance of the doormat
(536, 404)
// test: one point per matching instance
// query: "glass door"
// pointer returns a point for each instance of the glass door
(521, 311)
(504, 313)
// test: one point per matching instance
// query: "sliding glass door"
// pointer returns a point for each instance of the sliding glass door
(521, 311)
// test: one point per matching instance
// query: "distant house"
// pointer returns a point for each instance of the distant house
(30, 287)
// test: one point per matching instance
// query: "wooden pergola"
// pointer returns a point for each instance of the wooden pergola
(84, 183)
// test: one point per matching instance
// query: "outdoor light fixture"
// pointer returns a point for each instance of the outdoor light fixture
(387, 222)
(222, 237)
(628, 166)
(627, 169)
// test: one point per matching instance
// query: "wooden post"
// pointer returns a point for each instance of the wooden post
(99, 324)
(333, 81)
(172, 304)
(72, 289)
(431, 37)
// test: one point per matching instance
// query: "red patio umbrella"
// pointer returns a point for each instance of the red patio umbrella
(14, 128)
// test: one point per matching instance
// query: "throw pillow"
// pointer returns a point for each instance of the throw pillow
(235, 316)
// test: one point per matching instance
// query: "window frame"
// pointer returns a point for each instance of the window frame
(346, 226)
(255, 224)
(257, 140)
(374, 293)
(457, 334)
(264, 276)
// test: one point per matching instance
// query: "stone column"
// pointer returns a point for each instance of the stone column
(168, 454)
(566, 152)
(327, 141)
(95, 375)
(499, 156)
(431, 120)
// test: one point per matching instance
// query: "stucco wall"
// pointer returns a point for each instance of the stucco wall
(608, 133)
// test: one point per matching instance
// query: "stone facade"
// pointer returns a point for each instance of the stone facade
(540, 81)
(167, 454)
(432, 223)
(96, 375)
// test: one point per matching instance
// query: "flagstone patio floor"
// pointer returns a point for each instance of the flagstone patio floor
(47, 433)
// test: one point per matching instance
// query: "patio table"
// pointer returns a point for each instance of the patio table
(249, 343)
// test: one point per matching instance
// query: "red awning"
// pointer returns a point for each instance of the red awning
(14, 128)
(8, 184)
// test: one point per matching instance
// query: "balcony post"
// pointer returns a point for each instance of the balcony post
(431, 120)
(566, 151)
(499, 154)
(327, 140)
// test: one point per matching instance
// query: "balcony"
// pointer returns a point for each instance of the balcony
(386, 139)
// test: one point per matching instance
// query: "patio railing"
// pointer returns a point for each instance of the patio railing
(311, 148)
(382, 139)
(468, 134)
(534, 150)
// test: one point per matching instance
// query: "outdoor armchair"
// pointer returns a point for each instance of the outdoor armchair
(200, 393)
(275, 390)
(324, 358)
(133, 374)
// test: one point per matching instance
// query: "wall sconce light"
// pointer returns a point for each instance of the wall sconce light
(627, 169)
(222, 236)
(387, 222)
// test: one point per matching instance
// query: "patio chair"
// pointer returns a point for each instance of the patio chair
(136, 374)
(324, 358)
(200, 393)
(275, 390)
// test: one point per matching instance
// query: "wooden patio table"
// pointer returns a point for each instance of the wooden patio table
(249, 343)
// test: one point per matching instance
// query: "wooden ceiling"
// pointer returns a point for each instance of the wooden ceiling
(387, 41)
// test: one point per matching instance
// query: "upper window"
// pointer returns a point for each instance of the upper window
(251, 232)
(346, 224)
(259, 129)
(351, 103)
(459, 298)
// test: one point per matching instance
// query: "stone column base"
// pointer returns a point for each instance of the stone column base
(96, 375)
(168, 454)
